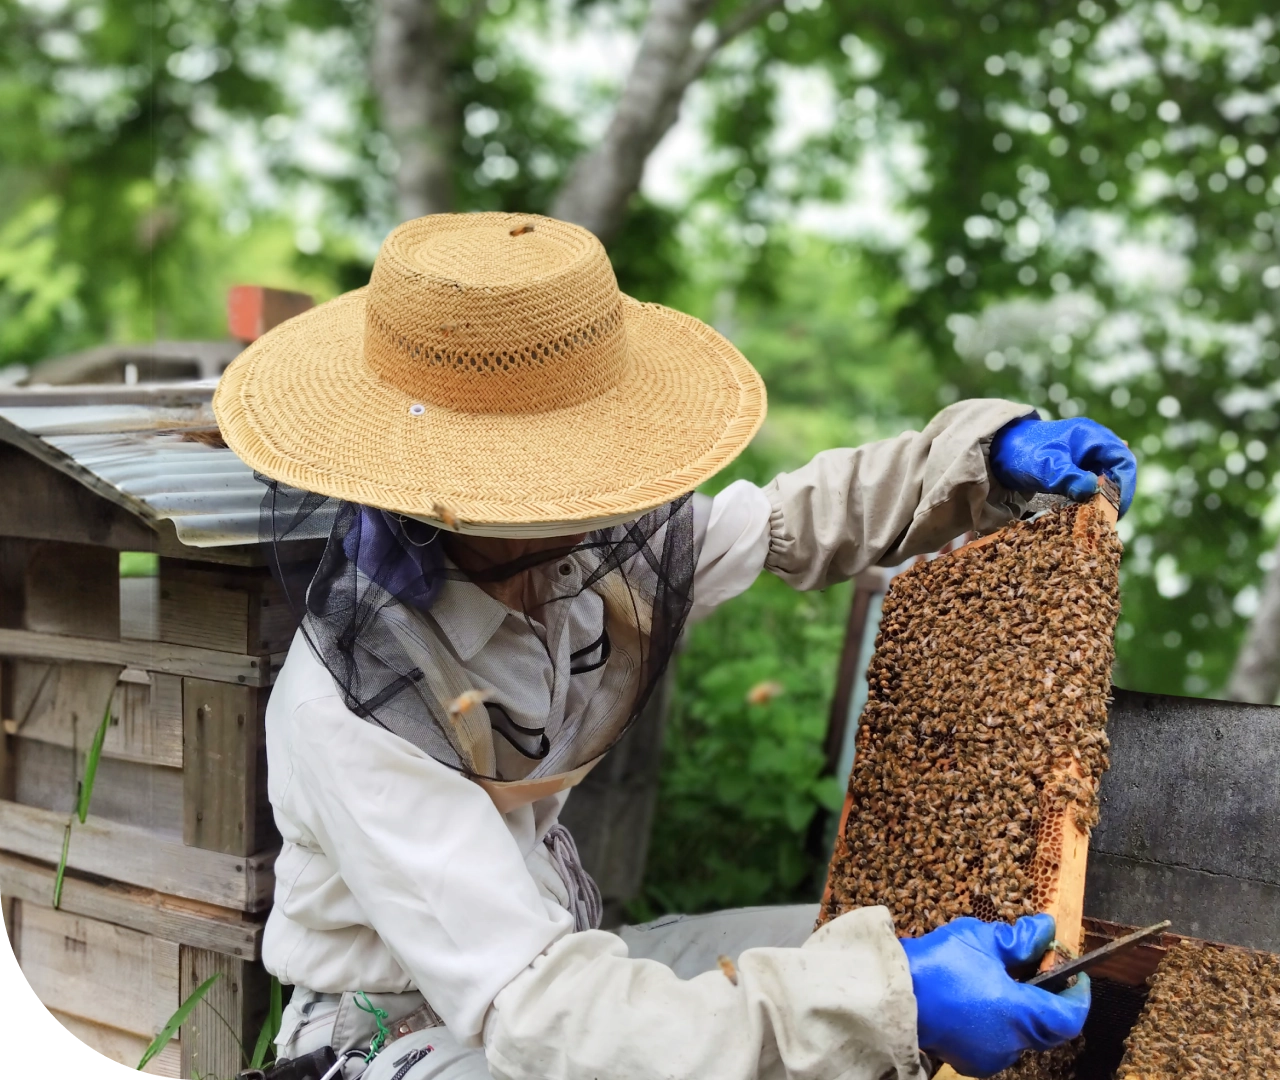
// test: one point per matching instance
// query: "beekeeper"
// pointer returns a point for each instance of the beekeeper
(480, 472)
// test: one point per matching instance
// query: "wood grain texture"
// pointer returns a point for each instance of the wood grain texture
(195, 612)
(146, 796)
(40, 502)
(91, 969)
(146, 713)
(225, 759)
(186, 922)
(140, 608)
(155, 656)
(140, 857)
(223, 608)
(72, 589)
(62, 703)
(209, 1046)
(123, 1047)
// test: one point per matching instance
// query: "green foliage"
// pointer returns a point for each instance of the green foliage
(139, 564)
(83, 794)
(62, 865)
(740, 781)
(264, 1047)
(177, 1020)
(1097, 216)
(91, 766)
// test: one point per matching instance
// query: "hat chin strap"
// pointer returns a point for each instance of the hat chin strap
(525, 530)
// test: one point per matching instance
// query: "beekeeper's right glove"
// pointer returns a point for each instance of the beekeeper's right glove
(970, 1012)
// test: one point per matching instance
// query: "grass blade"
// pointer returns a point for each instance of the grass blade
(62, 865)
(177, 1020)
(91, 765)
(270, 1027)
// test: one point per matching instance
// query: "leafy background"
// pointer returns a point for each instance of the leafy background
(888, 206)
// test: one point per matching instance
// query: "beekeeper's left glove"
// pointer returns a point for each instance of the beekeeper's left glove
(970, 1012)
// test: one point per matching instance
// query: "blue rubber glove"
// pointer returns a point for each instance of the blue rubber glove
(1062, 457)
(970, 1012)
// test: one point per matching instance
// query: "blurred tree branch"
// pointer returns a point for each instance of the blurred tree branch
(412, 52)
(416, 45)
(602, 181)
(1256, 676)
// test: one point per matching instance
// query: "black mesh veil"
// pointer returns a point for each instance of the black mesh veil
(505, 659)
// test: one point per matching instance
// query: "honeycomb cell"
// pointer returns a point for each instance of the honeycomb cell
(1211, 1012)
(983, 733)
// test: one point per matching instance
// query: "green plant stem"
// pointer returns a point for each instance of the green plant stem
(177, 1020)
(62, 864)
(270, 1027)
(91, 765)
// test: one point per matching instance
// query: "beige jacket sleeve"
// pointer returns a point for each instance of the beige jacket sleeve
(881, 503)
(840, 1006)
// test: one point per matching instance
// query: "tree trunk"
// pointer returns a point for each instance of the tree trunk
(602, 182)
(1256, 676)
(410, 62)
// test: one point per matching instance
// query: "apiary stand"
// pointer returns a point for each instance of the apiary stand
(170, 876)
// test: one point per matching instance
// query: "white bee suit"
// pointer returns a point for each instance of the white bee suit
(398, 873)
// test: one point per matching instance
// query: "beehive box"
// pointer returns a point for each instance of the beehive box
(170, 877)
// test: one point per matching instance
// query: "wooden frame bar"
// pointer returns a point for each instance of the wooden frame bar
(186, 922)
(139, 857)
(158, 656)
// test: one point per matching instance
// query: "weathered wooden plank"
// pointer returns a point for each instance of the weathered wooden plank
(158, 656)
(61, 703)
(140, 608)
(211, 1047)
(224, 753)
(58, 702)
(207, 613)
(186, 922)
(40, 502)
(72, 589)
(223, 608)
(123, 1046)
(108, 974)
(141, 857)
(146, 796)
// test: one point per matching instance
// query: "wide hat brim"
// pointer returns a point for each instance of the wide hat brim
(302, 406)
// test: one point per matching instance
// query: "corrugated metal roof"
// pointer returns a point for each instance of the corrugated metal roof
(153, 450)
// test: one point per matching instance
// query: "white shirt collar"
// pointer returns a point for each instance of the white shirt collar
(468, 616)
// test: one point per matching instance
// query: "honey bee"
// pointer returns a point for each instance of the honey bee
(467, 700)
(764, 692)
(444, 515)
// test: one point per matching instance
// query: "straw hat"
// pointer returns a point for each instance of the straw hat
(492, 379)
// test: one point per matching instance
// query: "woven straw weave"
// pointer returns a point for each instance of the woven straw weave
(491, 373)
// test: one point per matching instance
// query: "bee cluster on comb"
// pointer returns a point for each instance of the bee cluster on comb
(1211, 1012)
(982, 739)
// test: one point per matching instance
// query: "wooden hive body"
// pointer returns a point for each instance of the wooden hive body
(170, 877)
